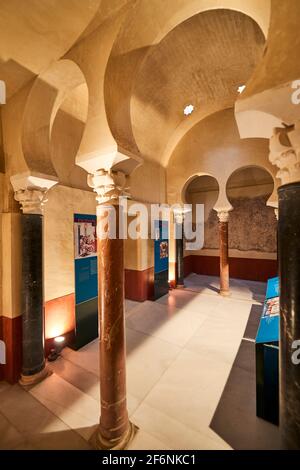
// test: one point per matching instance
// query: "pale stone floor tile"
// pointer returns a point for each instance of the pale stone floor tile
(247, 290)
(173, 433)
(25, 445)
(147, 359)
(180, 350)
(130, 305)
(76, 409)
(144, 441)
(173, 325)
(87, 357)
(10, 437)
(193, 301)
(76, 375)
(220, 337)
(4, 387)
(190, 389)
(39, 428)
(64, 440)
(18, 403)
(85, 381)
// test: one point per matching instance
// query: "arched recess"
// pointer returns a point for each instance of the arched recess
(143, 29)
(66, 136)
(252, 224)
(268, 101)
(214, 146)
(204, 189)
(50, 88)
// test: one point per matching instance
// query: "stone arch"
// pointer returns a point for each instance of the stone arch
(191, 179)
(66, 136)
(272, 200)
(51, 88)
(204, 189)
(252, 223)
(133, 45)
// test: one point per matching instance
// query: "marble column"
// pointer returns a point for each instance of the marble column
(285, 154)
(179, 250)
(115, 430)
(224, 258)
(33, 358)
(289, 272)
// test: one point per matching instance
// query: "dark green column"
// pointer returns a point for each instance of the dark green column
(289, 273)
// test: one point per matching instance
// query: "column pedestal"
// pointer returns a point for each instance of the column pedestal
(224, 258)
(289, 273)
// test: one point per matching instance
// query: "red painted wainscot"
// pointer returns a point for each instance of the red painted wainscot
(239, 268)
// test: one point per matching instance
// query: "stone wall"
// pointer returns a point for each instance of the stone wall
(252, 226)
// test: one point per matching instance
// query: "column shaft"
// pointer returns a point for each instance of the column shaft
(179, 256)
(224, 258)
(115, 429)
(289, 273)
(32, 298)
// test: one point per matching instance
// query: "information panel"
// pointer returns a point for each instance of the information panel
(85, 257)
(161, 259)
(86, 279)
(267, 358)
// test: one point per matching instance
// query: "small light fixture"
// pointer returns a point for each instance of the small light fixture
(59, 339)
(241, 88)
(188, 109)
(55, 352)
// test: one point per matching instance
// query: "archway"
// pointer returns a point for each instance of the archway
(203, 189)
(252, 224)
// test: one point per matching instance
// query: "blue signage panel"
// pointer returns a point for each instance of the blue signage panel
(161, 246)
(268, 330)
(86, 285)
(273, 288)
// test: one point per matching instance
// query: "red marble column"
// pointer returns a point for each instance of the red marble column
(224, 258)
(115, 430)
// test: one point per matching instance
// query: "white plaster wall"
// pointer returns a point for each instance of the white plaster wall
(63, 203)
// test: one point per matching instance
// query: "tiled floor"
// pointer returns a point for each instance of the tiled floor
(180, 351)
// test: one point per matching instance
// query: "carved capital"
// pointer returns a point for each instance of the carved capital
(285, 153)
(30, 190)
(223, 216)
(109, 185)
(31, 200)
(179, 217)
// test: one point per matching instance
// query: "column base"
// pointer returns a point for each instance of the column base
(30, 380)
(180, 286)
(225, 293)
(99, 442)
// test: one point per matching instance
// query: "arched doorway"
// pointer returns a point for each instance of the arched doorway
(203, 189)
(252, 225)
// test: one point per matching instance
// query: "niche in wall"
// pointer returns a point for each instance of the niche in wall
(252, 224)
(205, 190)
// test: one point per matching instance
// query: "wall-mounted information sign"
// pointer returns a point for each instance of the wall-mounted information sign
(86, 279)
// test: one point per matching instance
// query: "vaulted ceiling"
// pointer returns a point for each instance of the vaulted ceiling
(164, 56)
(201, 62)
(34, 33)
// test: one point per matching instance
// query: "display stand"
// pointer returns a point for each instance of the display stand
(86, 280)
(161, 259)
(267, 356)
